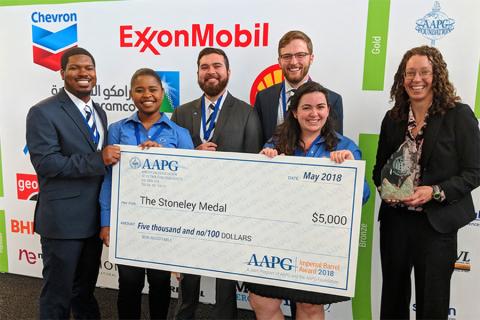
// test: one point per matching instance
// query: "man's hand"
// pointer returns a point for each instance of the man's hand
(111, 154)
(105, 235)
(208, 146)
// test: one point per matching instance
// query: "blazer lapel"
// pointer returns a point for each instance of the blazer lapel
(73, 112)
(431, 134)
(223, 116)
(277, 92)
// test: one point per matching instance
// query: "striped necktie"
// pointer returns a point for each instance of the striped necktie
(291, 92)
(210, 110)
(90, 118)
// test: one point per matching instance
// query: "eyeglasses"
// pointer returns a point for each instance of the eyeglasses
(298, 56)
(409, 75)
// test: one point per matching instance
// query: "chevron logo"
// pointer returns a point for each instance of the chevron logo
(48, 46)
(171, 86)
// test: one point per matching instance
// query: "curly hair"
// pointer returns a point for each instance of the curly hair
(444, 94)
(287, 136)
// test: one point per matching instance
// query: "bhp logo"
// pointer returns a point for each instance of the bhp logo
(150, 39)
(20, 226)
(27, 186)
(49, 46)
(28, 256)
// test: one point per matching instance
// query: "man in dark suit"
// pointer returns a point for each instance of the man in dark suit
(217, 121)
(295, 55)
(65, 135)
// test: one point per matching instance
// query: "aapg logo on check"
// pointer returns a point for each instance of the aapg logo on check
(435, 24)
(153, 164)
(135, 163)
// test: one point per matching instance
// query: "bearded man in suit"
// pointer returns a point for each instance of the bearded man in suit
(217, 121)
(295, 56)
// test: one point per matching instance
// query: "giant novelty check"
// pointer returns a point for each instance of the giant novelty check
(287, 221)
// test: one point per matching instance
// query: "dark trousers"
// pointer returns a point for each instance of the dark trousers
(189, 292)
(408, 241)
(131, 281)
(70, 271)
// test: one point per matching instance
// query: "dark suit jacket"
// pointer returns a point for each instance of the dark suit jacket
(69, 168)
(450, 158)
(266, 105)
(237, 128)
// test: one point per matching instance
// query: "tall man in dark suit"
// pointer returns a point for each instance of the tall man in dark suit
(217, 121)
(65, 136)
(295, 55)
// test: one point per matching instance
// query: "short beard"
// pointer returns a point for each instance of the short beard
(297, 81)
(215, 90)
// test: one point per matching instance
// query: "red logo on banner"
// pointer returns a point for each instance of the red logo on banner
(21, 226)
(47, 59)
(29, 256)
(268, 77)
(27, 186)
(196, 36)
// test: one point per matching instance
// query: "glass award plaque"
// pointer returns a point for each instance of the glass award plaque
(398, 174)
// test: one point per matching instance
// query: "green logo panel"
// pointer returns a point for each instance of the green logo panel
(376, 45)
(3, 243)
(362, 303)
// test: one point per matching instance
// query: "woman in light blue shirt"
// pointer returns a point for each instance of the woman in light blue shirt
(147, 127)
(307, 132)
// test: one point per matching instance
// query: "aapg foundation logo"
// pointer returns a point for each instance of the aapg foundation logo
(435, 24)
(135, 163)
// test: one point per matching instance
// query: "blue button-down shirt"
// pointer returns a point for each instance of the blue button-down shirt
(123, 132)
(318, 150)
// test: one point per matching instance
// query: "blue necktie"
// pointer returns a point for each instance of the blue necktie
(211, 108)
(90, 118)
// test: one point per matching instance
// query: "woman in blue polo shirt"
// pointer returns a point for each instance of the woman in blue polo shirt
(147, 127)
(307, 132)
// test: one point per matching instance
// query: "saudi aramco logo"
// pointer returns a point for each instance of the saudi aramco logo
(52, 35)
(171, 85)
(435, 24)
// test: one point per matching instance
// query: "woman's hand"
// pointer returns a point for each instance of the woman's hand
(420, 196)
(105, 235)
(341, 155)
(269, 152)
(149, 144)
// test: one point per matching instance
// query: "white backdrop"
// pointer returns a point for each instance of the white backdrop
(339, 33)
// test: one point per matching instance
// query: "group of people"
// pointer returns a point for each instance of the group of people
(72, 152)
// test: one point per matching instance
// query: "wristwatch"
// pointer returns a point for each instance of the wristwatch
(437, 192)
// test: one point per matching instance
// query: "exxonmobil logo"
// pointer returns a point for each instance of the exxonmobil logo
(151, 39)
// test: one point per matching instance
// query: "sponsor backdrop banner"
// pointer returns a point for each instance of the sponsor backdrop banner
(358, 45)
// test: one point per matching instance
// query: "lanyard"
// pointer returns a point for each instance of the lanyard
(284, 100)
(211, 125)
(153, 137)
